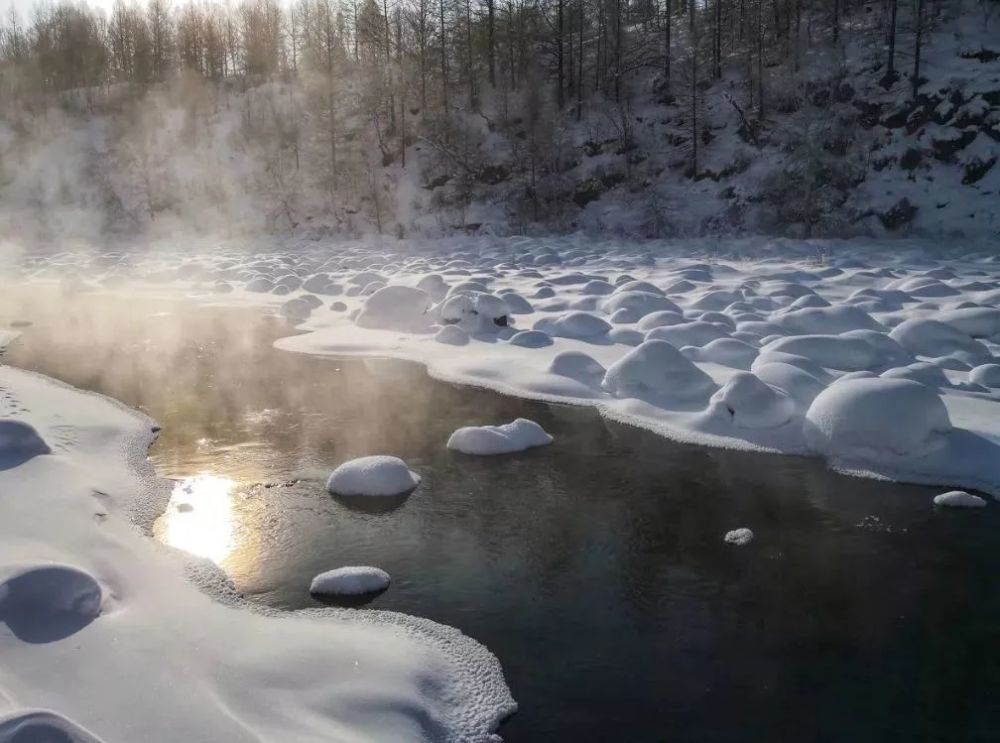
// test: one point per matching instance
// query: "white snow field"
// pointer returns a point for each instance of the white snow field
(376, 475)
(352, 580)
(511, 437)
(104, 638)
(880, 357)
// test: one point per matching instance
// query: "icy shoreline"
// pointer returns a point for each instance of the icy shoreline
(151, 653)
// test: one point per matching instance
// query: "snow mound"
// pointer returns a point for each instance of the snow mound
(580, 325)
(517, 305)
(511, 437)
(829, 351)
(688, 334)
(987, 375)
(802, 386)
(452, 335)
(976, 322)
(377, 475)
(827, 320)
(750, 403)
(959, 499)
(531, 339)
(739, 537)
(659, 319)
(925, 337)
(579, 366)
(876, 418)
(19, 442)
(725, 351)
(46, 603)
(641, 303)
(350, 581)
(395, 308)
(42, 726)
(656, 371)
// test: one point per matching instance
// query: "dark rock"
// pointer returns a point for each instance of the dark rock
(844, 93)
(945, 149)
(589, 190)
(591, 148)
(821, 97)
(491, 175)
(868, 113)
(983, 55)
(911, 159)
(899, 215)
(976, 169)
(438, 182)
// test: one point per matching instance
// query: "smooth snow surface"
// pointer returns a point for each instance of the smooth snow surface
(518, 435)
(739, 537)
(104, 637)
(377, 475)
(660, 334)
(959, 499)
(350, 581)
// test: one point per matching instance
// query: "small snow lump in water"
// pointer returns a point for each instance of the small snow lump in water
(375, 476)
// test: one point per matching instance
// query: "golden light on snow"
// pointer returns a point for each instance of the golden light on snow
(199, 517)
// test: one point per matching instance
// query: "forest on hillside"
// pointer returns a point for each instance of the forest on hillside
(430, 116)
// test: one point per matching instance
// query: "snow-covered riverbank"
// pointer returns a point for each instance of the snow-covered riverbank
(879, 357)
(103, 637)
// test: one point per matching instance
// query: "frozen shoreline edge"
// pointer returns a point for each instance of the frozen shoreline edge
(466, 657)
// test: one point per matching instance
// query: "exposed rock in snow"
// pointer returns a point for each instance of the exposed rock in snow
(511, 437)
(376, 475)
(874, 419)
(739, 537)
(959, 499)
(656, 371)
(350, 581)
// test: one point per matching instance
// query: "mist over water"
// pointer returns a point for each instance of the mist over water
(594, 568)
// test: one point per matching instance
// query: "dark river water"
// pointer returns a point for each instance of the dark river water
(593, 568)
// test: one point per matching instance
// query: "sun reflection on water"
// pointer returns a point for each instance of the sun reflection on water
(199, 517)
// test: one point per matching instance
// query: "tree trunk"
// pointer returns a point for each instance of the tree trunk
(890, 67)
(918, 42)
(444, 59)
(490, 42)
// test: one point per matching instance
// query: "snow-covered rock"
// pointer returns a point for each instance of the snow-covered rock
(517, 435)
(579, 366)
(452, 335)
(377, 475)
(927, 337)
(582, 325)
(395, 308)
(656, 371)
(747, 402)
(876, 418)
(350, 581)
(531, 339)
(739, 537)
(959, 499)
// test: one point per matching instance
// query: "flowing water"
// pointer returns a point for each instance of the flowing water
(593, 568)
